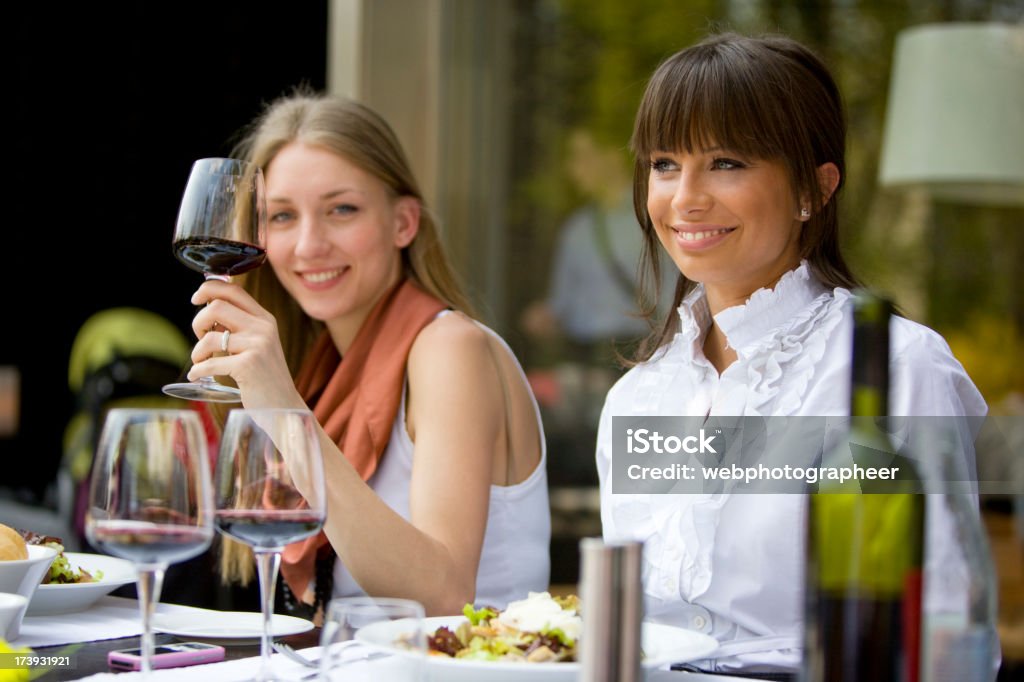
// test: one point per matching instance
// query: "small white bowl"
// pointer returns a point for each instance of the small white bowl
(23, 577)
(58, 598)
(12, 608)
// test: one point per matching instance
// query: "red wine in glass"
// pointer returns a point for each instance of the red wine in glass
(269, 491)
(219, 257)
(268, 529)
(220, 232)
(150, 498)
(148, 543)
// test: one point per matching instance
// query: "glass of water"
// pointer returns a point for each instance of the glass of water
(373, 638)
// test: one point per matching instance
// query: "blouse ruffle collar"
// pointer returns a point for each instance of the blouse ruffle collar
(780, 333)
(765, 311)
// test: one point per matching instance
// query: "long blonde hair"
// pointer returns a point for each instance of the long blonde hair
(359, 135)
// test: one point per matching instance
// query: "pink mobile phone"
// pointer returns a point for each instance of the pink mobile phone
(167, 656)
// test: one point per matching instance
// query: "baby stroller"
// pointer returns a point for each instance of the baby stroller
(121, 357)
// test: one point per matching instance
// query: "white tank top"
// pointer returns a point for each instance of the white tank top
(514, 559)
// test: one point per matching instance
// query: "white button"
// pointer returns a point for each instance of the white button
(698, 617)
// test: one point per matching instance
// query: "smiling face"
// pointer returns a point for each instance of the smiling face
(335, 235)
(729, 222)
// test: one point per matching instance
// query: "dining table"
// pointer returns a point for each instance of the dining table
(80, 642)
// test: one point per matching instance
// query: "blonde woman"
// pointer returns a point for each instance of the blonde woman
(433, 446)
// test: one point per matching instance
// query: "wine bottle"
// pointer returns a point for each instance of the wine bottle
(865, 538)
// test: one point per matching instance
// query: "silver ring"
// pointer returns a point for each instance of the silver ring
(224, 337)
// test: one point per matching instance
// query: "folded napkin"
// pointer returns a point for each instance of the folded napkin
(108, 618)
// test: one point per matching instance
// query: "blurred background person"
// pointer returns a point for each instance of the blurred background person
(594, 290)
(592, 310)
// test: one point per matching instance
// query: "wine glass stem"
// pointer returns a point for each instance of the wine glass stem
(267, 564)
(210, 381)
(151, 580)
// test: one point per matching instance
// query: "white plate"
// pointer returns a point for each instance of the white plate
(662, 644)
(226, 627)
(53, 599)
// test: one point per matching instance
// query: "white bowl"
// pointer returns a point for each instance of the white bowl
(23, 577)
(12, 607)
(68, 598)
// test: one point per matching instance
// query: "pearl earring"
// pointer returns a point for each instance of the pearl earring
(805, 213)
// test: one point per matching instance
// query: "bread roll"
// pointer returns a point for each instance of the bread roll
(12, 546)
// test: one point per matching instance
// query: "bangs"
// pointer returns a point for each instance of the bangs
(709, 97)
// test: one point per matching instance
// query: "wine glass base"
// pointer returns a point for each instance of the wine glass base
(208, 392)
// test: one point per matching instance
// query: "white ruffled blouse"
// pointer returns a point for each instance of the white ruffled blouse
(732, 565)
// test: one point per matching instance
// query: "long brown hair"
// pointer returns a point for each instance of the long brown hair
(764, 97)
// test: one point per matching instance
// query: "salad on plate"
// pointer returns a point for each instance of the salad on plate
(61, 571)
(538, 629)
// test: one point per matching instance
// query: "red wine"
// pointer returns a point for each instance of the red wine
(268, 529)
(148, 543)
(218, 256)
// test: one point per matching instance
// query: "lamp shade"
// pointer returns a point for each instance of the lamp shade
(955, 117)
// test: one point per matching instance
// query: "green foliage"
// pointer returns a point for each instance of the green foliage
(582, 64)
(990, 348)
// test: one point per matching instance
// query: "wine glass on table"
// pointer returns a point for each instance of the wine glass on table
(221, 231)
(357, 627)
(150, 498)
(269, 492)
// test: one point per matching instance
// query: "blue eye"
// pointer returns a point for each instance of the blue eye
(662, 165)
(344, 209)
(281, 217)
(726, 164)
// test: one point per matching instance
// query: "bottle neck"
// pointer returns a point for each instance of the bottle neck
(869, 401)
(869, 379)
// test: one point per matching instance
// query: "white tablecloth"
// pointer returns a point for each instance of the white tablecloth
(116, 617)
(245, 669)
(383, 670)
(109, 618)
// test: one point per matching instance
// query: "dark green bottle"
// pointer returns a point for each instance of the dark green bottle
(865, 537)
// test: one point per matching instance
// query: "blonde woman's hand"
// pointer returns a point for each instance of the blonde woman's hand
(239, 338)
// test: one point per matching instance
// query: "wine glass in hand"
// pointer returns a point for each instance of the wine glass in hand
(221, 231)
(269, 492)
(150, 498)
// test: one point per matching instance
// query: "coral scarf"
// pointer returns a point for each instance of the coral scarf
(356, 401)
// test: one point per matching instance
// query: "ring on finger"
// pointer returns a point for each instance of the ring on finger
(224, 338)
